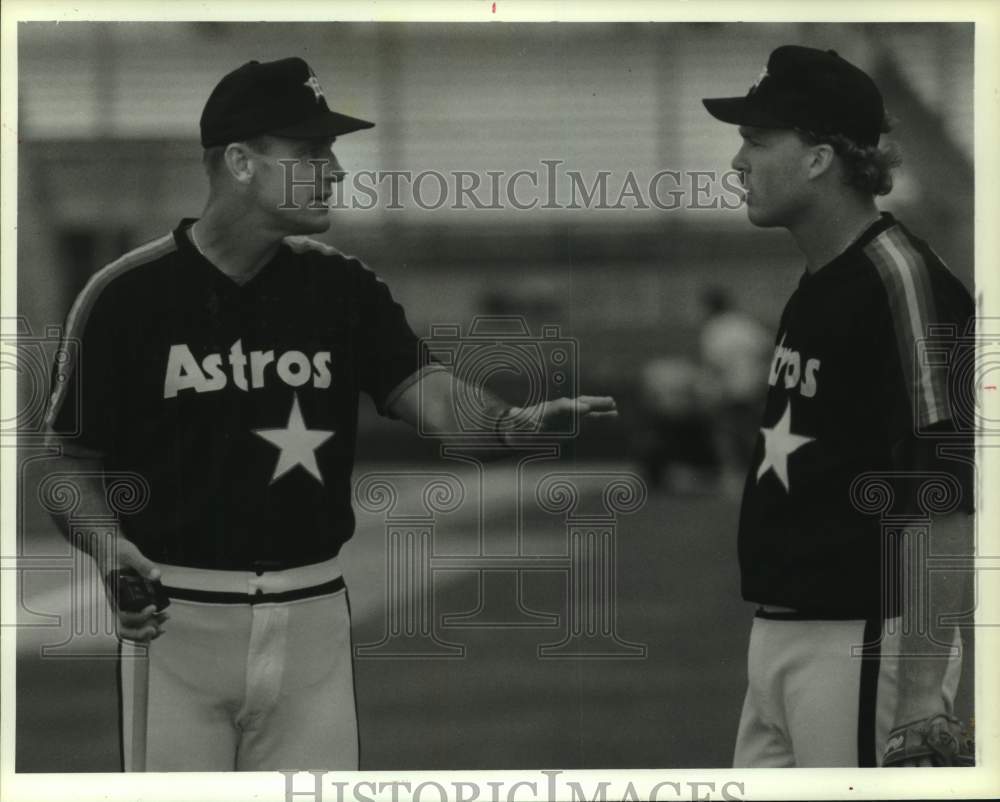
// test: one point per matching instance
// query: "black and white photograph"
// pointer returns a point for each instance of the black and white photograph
(498, 401)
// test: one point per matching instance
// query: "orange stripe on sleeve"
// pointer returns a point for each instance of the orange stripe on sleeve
(79, 313)
(905, 274)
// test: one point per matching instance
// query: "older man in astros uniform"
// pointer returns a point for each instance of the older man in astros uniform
(847, 398)
(223, 362)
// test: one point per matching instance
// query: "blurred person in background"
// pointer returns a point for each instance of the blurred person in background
(223, 363)
(734, 350)
(673, 432)
(843, 668)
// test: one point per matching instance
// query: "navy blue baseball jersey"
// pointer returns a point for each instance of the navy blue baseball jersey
(850, 385)
(237, 402)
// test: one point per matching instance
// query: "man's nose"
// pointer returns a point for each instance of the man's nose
(334, 170)
(739, 162)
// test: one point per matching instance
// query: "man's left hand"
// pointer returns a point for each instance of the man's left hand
(939, 740)
(558, 415)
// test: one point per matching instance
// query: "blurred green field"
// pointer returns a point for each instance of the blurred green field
(499, 706)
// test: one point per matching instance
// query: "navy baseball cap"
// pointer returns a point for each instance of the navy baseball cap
(280, 98)
(813, 90)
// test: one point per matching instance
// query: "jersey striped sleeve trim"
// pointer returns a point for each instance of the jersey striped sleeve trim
(905, 275)
(303, 244)
(79, 313)
(417, 376)
(300, 244)
(69, 448)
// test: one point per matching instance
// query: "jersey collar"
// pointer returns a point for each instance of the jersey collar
(847, 256)
(195, 258)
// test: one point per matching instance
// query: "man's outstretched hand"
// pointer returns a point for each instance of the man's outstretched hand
(556, 415)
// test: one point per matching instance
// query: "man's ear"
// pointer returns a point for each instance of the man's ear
(820, 159)
(239, 162)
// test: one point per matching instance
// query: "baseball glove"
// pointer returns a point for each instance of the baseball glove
(134, 593)
(940, 740)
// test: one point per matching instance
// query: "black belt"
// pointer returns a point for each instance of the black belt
(811, 615)
(260, 597)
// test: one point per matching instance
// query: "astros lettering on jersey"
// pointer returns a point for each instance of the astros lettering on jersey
(238, 403)
(294, 368)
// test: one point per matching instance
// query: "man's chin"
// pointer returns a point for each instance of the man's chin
(313, 220)
(758, 218)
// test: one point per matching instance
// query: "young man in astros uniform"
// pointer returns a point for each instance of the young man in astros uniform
(835, 678)
(223, 363)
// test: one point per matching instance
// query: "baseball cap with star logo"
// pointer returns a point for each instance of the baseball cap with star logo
(279, 98)
(813, 90)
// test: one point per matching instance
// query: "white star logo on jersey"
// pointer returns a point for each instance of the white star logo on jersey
(313, 83)
(779, 443)
(297, 443)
